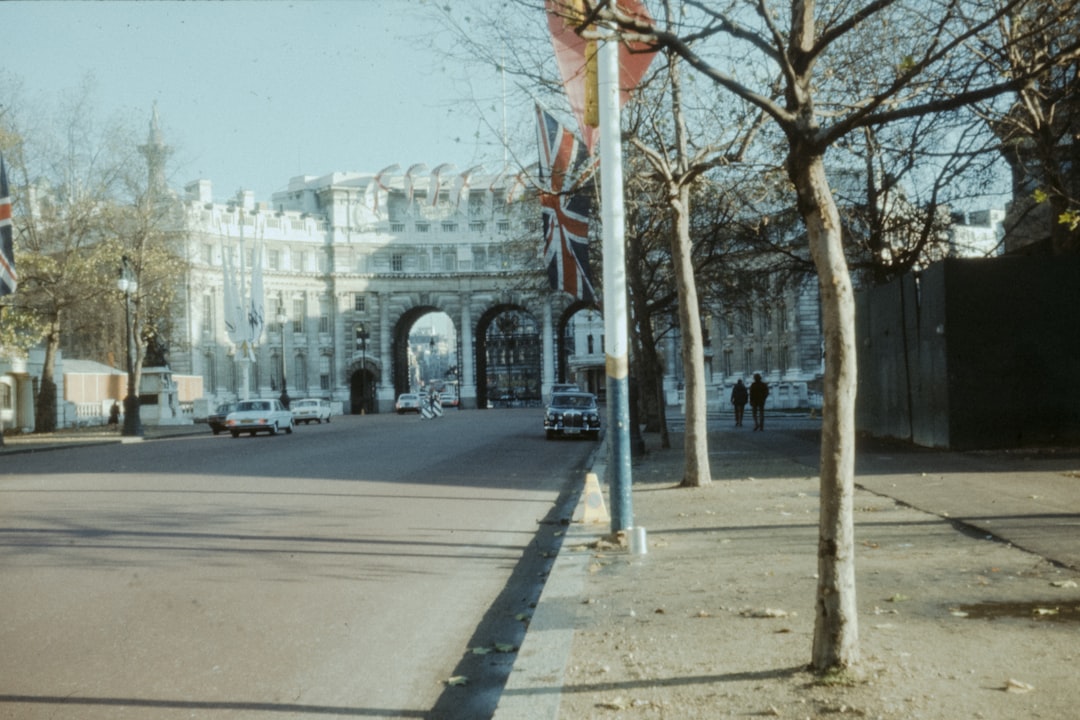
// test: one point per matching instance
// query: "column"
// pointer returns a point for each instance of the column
(467, 380)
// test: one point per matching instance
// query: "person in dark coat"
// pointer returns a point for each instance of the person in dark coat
(759, 391)
(739, 397)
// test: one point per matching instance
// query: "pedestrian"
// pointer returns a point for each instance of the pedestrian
(758, 392)
(114, 414)
(738, 399)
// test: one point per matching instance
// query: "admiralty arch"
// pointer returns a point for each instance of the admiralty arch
(350, 261)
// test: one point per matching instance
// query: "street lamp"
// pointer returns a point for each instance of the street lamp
(129, 286)
(362, 337)
(282, 318)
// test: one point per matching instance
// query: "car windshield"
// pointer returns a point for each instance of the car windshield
(252, 405)
(573, 401)
(305, 403)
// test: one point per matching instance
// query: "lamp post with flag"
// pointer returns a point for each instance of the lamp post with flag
(597, 89)
(8, 278)
(244, 301)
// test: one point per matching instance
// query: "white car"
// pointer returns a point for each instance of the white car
(407, 402)
(310, 410)
(253, 416)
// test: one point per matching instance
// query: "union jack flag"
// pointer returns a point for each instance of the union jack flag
(566, 200)
(8, 278)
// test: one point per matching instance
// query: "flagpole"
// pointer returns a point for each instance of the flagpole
(613, 221)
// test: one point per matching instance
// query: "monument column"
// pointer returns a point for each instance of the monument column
(466, 378)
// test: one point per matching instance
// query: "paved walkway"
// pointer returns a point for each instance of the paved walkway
(1029, 499)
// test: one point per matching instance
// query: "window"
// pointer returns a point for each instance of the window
(324, 315)
(479, 258)
(768, 360)
(397, 262)
(449, 262)
(298, 315)
(300, 372)
(208, 254)
(211, 370)
(784, 357)
(397, 227)
(324, 263)
(477, 226)
(503, 226)
(727, 363)
(423, 227)
(360, 303)
(208, 315)
(747, 318)
(273, 259)
(5, 396)
(300, 261)
(748, 360)
(324, 372)
(449, 227)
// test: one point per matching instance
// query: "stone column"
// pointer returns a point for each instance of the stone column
(467, 379)
(385, 393)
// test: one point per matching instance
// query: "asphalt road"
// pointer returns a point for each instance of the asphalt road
(342, 571)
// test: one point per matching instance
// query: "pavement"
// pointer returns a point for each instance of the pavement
(91, 435)
(1029, 499)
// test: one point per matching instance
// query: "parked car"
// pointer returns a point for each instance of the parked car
(253, 416)
(309, 410)
(407, 402)
(572, 413)
(216, 419)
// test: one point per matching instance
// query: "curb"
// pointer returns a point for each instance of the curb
(533, 690)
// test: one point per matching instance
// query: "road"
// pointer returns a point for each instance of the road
(342, 571)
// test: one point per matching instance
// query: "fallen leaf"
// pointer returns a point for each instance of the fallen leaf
(1017, 686)
(480, 650)
(505, 647)
(458, 681)
(1063, 583)
(1045, 611)
(899, 598)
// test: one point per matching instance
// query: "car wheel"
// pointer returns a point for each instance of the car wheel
(288, 429)
(550, 434)
(327, 419)
(235, 434)
(216, 431)
(273, 429)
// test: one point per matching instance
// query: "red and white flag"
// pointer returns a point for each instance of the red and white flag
(573, 56)
(566, 201)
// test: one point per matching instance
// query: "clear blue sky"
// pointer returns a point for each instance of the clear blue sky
(251, 94)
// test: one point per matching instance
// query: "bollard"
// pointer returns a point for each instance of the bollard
(638, 545)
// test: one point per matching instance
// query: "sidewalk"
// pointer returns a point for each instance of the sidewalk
(96, 435)
(967, 571)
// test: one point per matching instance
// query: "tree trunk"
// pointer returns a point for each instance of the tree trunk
(696, 440)
(45, 407)
(836, 629)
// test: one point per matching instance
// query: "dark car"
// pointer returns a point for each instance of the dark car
(572, 413)
(216, 419)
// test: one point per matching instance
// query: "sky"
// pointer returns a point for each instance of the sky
(250, 94)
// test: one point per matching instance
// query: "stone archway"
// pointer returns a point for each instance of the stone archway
(509, 356)
(363, 384)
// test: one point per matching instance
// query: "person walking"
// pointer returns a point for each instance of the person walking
(738, 399)
(758, 392)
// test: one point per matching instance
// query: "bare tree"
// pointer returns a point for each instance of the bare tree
(830, 92)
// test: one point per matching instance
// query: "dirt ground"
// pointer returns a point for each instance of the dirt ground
(716, 620)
